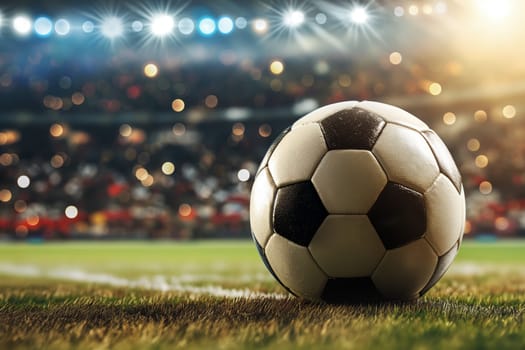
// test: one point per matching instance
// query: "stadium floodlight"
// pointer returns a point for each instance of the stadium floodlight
(359, 15)
(207, 26)
(186, 26)
(225, 25)
(112, 27)
(43, 26)
(22, 25)
(293, 19)
(62, 27)
(162, 25)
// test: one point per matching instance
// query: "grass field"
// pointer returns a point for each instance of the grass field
(219, 295)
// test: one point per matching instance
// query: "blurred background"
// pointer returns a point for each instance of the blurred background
(147, 120)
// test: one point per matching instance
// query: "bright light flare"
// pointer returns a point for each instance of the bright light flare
(494, 9)
(359, 15)
(162, 25)
(293, 19)
(112, 27)
(22, 25)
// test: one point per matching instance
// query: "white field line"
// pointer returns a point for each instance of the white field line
(186, 283)
(158, 282)
(476, 269)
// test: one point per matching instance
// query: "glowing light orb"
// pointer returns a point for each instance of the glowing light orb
(207, 26)
(359, 15)
(43, 26)
(88, 26)
(62, 27)
(225, 25)
(71, 212)
(22, 25)
(186, 26)
(162, 25)
(293, 19)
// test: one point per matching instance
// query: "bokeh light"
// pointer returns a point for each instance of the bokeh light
(62, 27)
(395, 58)
(20, 206)
(211, 101)
(207, 26)
(434, 89)
(22, 25)
(485, 187)
(43, 26)
(480, 116)
(56, 130)
(141, 174)
(243, 175)
(186, 26)
(88, 27)
(449, 118)
(125, 130)
(168, 168)
(151, 70)
(473, 145)
(260, 25)
(179, 129)
(137, 26)
(177, 105)
(185, 210)
(482, 161)
(509, 111)
(265, 130)
(238, 129)
(5, 195)
(23, 181)
(71, 211)
(225, 25)
(276, 67)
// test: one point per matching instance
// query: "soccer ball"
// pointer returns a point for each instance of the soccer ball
(357, 202)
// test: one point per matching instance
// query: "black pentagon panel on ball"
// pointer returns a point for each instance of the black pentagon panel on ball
(260, 249)
(444, 158)
(398, 215)
(298, 212)
(354, 128)
(443, 264)
(272, 147)
(350, 291)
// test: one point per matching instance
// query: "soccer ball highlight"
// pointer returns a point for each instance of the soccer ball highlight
(358, 202)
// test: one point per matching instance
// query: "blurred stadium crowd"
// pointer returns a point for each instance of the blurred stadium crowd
(191, 177)
(166, 146)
